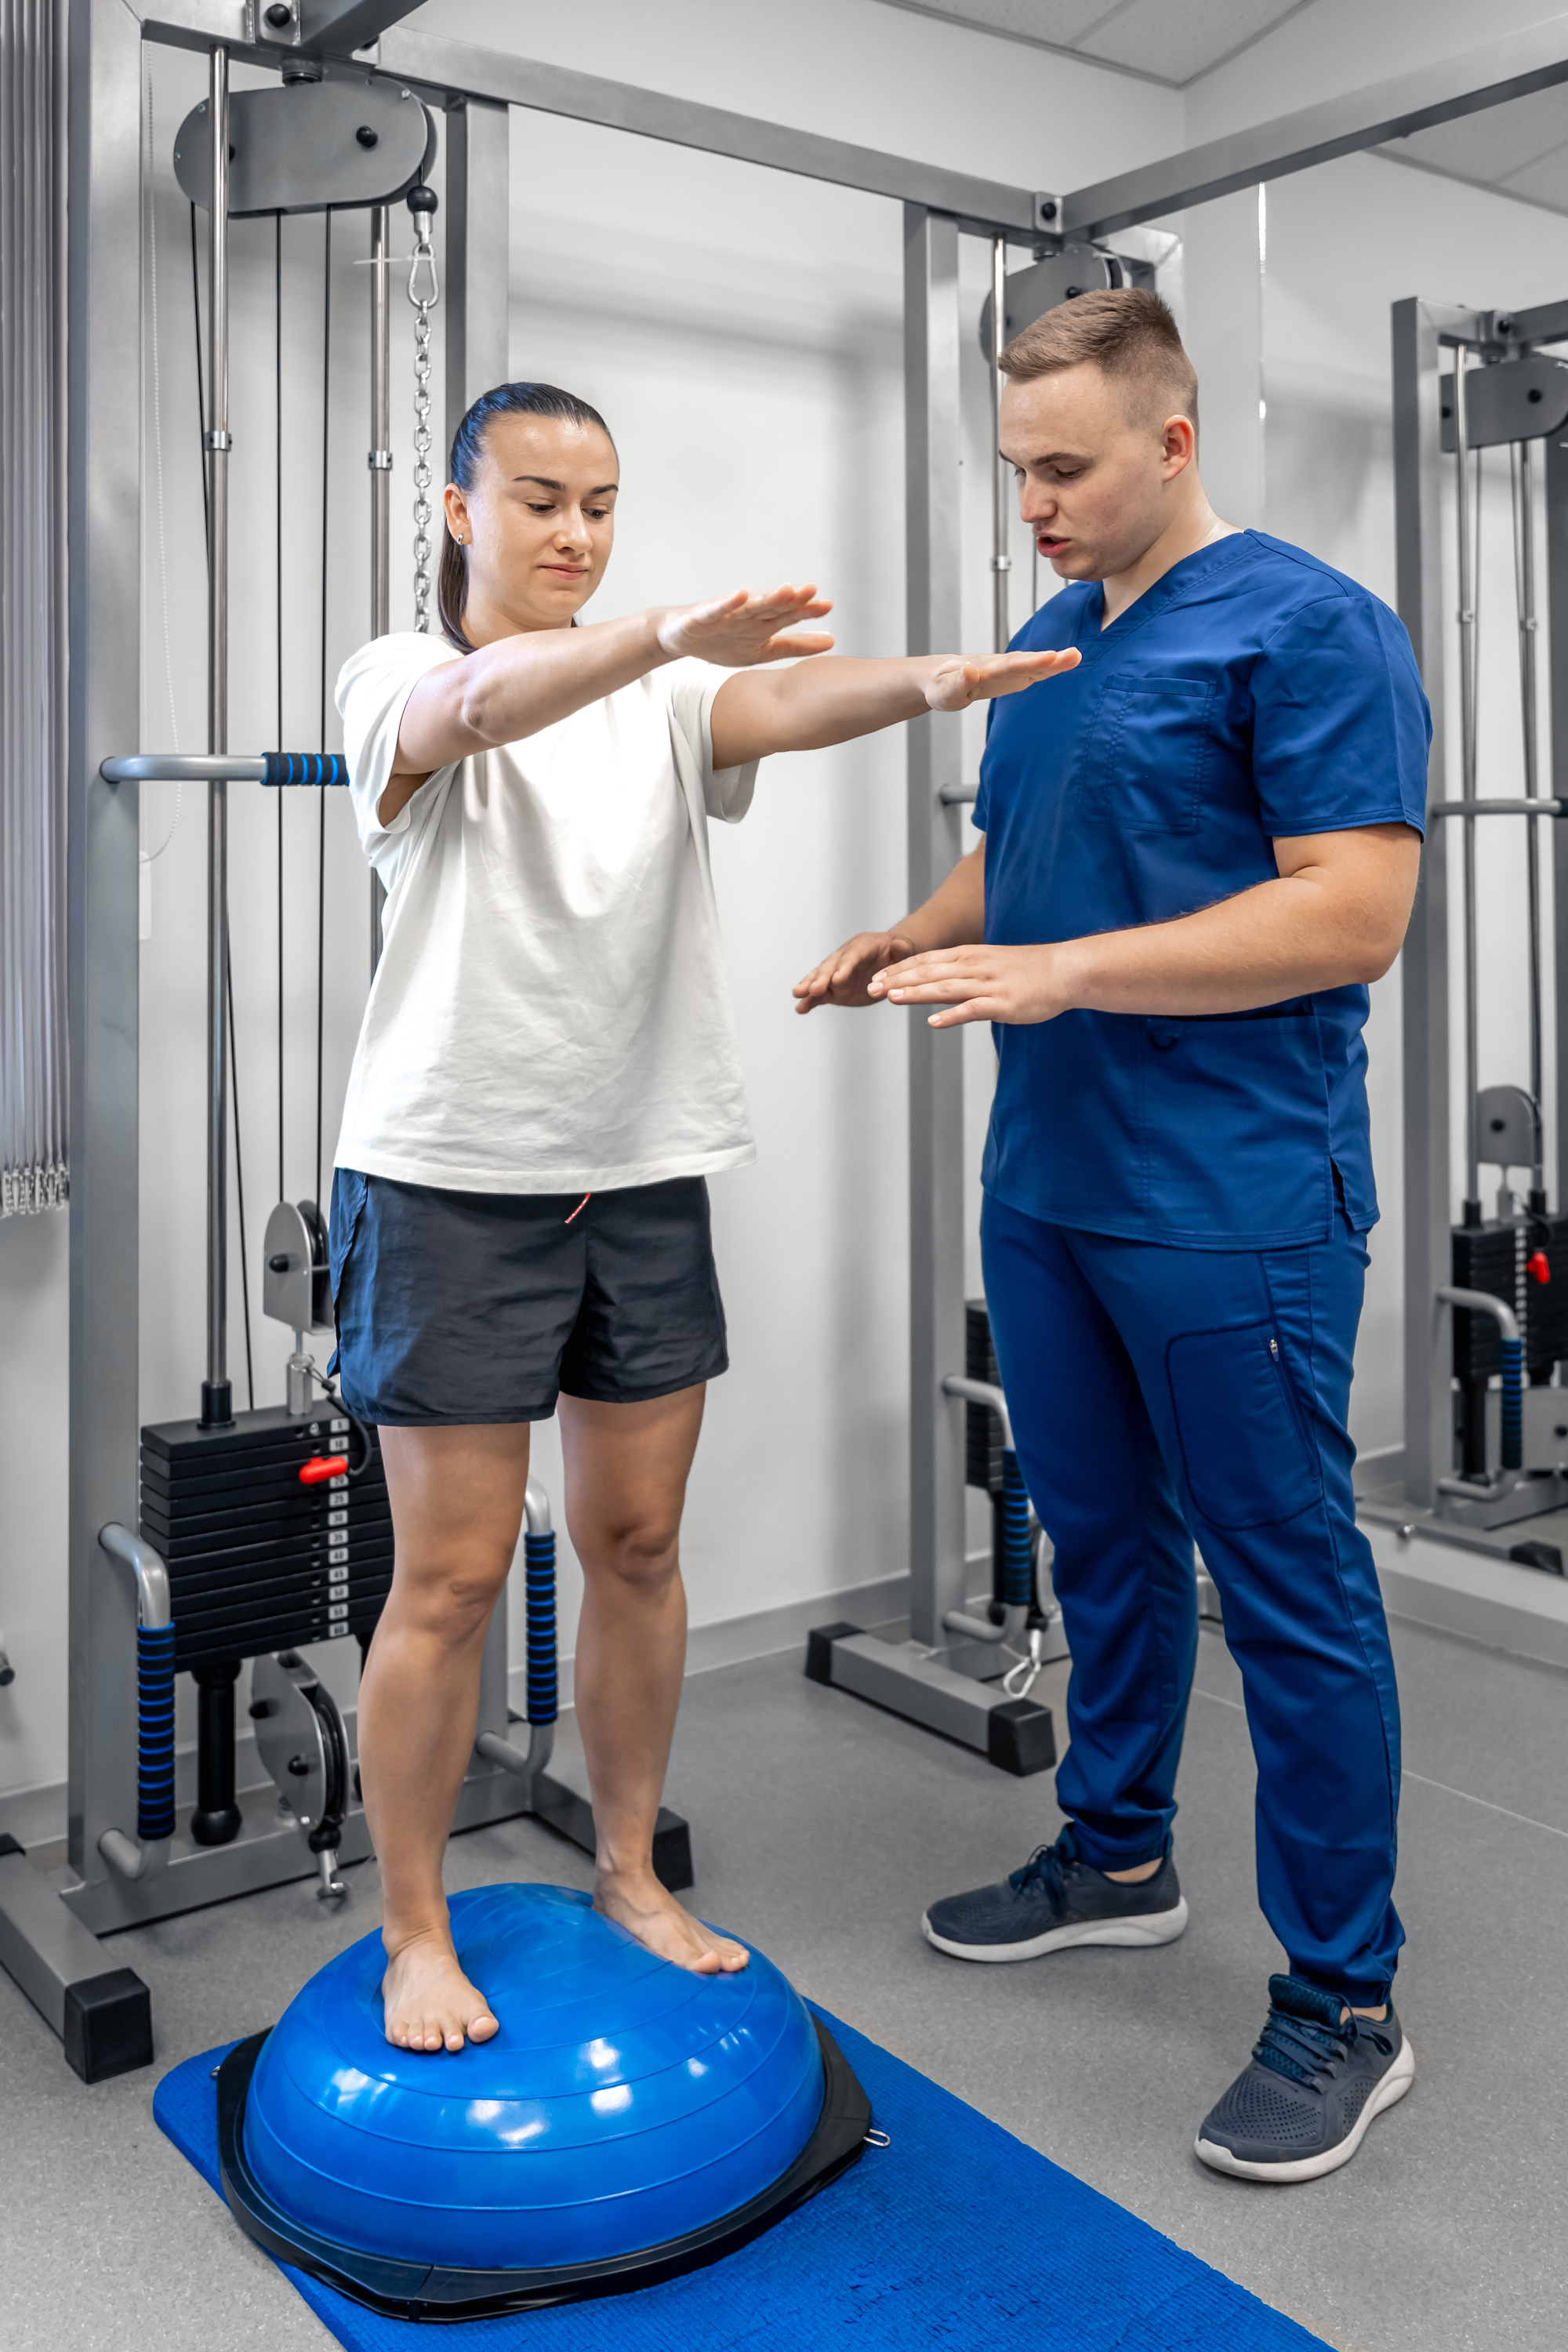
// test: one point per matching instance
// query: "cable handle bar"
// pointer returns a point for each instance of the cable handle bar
(220, 768)
(1499, 807)
(148, 1851)
(1019, 1566)
(1511, 1418)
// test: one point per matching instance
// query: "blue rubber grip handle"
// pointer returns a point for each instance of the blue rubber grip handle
(1018, 1553)
(305, 768)
(1510, 1423)
(155, 1732)
(538, 1554)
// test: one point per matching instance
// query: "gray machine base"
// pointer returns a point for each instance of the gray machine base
(1013, 1733)
(1503, 1588)
(49, 1924)
(1538, 1541)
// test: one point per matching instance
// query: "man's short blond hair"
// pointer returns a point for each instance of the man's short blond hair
(1128, 333)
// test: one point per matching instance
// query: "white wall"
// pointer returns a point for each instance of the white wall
(742, 331)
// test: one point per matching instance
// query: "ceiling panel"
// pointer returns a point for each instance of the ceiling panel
(1176, 40)
(1055, 23)
(1498, 140)
(1544, 183)
(1518, 149)
(1170, 41)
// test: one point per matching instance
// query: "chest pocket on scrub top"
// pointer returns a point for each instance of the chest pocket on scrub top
(1149, 762)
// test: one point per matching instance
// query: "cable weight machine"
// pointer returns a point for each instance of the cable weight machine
(256, 1531)
(1486, 1294)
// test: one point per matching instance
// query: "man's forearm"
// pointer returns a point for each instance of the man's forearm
(955, 914)
(1334, 917)
(1279, 939)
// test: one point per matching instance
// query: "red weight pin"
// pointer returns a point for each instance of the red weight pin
(321, 1466)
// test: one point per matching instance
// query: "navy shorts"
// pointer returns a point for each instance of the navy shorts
(481, 1307)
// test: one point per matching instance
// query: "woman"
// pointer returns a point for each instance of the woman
(546, 1076)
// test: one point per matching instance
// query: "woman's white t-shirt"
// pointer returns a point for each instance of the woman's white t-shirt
(550, 1013)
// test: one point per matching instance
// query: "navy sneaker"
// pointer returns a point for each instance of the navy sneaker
(1055, 1901)
(1301, 2108)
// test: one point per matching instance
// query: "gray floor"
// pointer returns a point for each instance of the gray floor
(821, 1826)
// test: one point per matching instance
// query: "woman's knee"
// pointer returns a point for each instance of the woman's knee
(644, 1554)
(454, 1596)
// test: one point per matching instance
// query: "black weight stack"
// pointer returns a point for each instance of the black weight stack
(1546, 1303)
(1488, 1257)
(259, 1560)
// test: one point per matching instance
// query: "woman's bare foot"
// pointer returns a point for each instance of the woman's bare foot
(427, 2002)
(636, 1902)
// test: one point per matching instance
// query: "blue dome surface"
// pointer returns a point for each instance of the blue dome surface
(625, 2102)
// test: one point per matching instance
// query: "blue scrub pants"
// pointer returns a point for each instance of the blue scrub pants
(1161, 1395)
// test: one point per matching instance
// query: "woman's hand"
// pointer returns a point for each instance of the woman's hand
(845, 976)
(955, 683)
(981, 983)
(740, 630)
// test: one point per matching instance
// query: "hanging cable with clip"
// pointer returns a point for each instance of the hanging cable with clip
(423, 293)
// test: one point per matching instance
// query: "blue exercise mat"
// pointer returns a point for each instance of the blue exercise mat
(956, 2235)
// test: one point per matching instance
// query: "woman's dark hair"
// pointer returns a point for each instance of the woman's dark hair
(467, 446)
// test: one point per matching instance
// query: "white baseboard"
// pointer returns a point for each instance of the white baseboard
(36, 1815)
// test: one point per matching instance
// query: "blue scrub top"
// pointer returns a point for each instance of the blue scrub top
(1251, 693)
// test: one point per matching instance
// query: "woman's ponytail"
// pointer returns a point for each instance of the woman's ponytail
(452, 592)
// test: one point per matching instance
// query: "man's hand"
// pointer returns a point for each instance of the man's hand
(955, 683)
(1334, 918)
(845, 977)
(738, 631)
(977, 983)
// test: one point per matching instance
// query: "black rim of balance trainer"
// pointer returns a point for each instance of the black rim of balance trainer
(427, 2292)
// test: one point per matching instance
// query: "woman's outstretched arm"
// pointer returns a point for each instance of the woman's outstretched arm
(519, 684)
(822, 703)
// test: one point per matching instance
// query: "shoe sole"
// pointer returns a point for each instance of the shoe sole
(1135, 1934)
(1388, 2093)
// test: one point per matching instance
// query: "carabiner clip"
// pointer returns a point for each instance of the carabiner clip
(1019, 1680)
(423, 252)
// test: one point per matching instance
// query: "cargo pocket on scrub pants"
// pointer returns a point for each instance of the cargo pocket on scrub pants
(1246, 1458)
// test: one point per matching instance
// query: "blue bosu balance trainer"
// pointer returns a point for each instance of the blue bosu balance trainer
(630, 2120)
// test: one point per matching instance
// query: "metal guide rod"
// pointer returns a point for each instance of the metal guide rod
(216, 1396)
(1522, 472)
(933, 460)
(1467, 773)
(379, 458)
(380, 480)
(1001, 562)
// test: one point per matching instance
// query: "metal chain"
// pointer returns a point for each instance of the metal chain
(423, 292)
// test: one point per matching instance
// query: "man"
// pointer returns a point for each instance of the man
(1200, 847)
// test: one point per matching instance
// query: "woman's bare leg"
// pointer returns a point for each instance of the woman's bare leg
(627, 1467)
(457, 1507)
